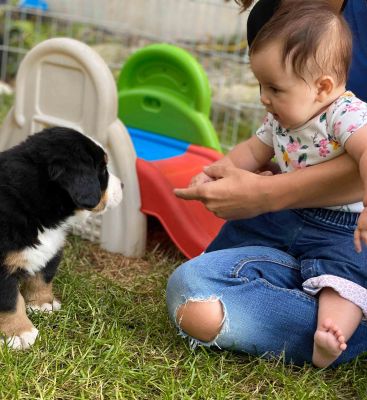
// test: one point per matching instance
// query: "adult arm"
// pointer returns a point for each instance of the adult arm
(236, 193)
(356, 146)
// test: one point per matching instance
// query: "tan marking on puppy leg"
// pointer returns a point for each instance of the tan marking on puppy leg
(102, 203)
(16, 322)
(15, 260)
(36, 291)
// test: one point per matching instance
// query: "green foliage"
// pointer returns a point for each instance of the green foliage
(20, 33)
(6, 101)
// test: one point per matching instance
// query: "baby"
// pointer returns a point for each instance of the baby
(301, 59)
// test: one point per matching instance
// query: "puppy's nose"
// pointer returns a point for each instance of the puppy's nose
(122, 185)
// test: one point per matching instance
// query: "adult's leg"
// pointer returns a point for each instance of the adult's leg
(249, 299)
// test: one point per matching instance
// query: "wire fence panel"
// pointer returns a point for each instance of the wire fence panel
(212, 30)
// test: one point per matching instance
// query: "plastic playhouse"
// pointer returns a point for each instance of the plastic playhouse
(163, 97)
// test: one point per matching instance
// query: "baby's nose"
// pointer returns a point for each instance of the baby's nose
(264, 100)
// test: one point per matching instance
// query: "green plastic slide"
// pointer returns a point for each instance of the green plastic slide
(163, 89)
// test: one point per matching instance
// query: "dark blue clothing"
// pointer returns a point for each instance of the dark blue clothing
(260, 14)
(355, 12)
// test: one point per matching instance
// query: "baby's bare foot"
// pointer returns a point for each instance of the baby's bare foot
(329, 343)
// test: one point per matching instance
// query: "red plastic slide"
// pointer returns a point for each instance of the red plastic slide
(189, 224)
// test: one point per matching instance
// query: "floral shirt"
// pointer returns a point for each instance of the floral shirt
(320, 139)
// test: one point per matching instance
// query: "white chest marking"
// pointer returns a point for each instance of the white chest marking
(51, 241)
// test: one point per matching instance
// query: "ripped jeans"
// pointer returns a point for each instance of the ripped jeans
(266, 312)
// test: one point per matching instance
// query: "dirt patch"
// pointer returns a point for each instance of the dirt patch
(161, 257)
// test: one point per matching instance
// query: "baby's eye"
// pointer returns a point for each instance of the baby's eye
(274, 89)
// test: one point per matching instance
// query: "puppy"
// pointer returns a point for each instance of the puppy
(46, 182)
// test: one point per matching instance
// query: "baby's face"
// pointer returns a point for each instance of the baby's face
(290, 99)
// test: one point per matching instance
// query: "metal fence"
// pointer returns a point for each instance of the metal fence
(212, 30)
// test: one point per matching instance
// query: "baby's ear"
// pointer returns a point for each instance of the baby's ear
(324, 87)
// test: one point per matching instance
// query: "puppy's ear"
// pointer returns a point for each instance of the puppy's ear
(81, 183)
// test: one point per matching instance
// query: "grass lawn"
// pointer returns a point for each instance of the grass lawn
(112, 339)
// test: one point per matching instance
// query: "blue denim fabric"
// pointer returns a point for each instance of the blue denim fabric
(320, 239)
(256, 268)
(266, 312)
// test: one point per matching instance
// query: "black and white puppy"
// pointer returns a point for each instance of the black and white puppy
(46, 182)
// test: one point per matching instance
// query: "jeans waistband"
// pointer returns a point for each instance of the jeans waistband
(340, 218)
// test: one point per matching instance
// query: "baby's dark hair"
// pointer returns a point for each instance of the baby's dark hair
(314, 38)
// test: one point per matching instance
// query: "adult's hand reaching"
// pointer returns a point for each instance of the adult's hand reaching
(234, 193)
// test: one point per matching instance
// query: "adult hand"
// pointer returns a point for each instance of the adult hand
(199, 179)
(234, 193)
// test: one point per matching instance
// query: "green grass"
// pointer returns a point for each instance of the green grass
(113, 340)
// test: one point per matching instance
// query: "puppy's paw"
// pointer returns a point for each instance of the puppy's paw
(45, 307)
(22, 341)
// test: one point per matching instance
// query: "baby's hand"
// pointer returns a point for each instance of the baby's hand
(360, 234)
(199, 179)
